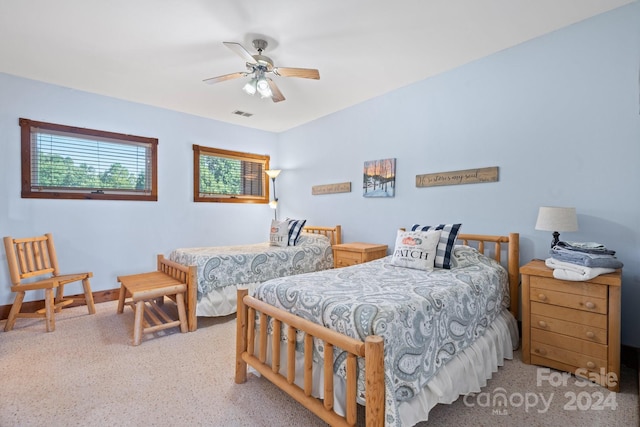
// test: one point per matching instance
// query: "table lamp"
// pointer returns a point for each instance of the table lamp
(556, 219)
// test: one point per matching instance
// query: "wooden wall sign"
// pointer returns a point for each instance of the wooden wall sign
(343, 187)
(468, 176)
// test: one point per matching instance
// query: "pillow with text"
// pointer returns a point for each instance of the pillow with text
(416, 249)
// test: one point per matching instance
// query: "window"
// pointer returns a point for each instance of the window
(65, 162)
(229, 176)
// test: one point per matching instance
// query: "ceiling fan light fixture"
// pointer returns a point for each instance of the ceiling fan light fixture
(250, 87)
(263, 88)
(257, 67)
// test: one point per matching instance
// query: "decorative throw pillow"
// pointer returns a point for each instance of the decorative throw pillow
(279, 234)
(416, 249)
(295, 228)
(447, 241)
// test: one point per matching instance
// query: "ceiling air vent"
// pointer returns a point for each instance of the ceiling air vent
(242, 113)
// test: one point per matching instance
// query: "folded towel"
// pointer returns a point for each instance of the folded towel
(585, 259)
(574, 272)
(586, 247)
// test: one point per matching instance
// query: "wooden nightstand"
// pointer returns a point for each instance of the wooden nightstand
(346, 254)
(572, 326)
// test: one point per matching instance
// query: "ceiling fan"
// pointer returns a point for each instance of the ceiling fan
(259, 67)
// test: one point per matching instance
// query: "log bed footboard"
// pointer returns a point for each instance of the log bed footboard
(372, 349)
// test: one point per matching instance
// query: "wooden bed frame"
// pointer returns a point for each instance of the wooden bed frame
(371, 349)
(333, 233)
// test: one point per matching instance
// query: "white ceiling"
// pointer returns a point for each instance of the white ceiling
(157, 52)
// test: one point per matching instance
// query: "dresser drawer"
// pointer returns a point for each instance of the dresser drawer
(558, 297)
(569, 287)
(541, 352)
(567, 321)
(345, 259)
(577, 345)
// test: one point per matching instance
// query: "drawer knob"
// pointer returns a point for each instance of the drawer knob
(541, 351)
(591, 365)
(542, 324)
(591, 334)
(542, 297)
(589, 305)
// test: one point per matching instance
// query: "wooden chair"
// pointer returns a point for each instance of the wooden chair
(28, 259)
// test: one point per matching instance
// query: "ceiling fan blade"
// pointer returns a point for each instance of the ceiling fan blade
(276, 95)
(225, 77)
(241, 51)
(305, 73)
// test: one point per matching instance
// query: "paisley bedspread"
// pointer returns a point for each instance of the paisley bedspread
(236, 265)
(424, 317)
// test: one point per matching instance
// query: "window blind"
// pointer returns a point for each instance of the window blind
(63, 160)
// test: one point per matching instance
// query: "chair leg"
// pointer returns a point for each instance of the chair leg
(59, 297)
(88, 296)
(13, 313)
(50, 305)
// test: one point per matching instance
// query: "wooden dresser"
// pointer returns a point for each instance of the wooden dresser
(572, 326)
(346, 254)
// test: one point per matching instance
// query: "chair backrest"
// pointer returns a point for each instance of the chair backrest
(30, 257)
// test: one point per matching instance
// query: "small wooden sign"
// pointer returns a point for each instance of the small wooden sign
(468, 176)
(343, 187)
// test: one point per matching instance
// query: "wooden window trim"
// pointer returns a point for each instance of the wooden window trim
(237, 155)
(26, 166)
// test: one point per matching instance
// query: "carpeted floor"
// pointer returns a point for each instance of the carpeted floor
(87, 373)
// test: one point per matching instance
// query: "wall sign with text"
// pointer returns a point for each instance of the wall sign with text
(468, 176)
(343, 187)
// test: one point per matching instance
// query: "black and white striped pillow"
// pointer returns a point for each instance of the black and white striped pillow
(295, 228)
(445, 245)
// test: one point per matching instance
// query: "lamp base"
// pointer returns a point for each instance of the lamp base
(556, 239)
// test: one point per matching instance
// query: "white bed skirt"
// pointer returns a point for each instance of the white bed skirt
(466, 373)
(222, 301)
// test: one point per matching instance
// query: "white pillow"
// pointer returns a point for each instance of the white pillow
(416, 249)
(279, 233)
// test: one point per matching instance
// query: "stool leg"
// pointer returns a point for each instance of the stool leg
(121, 296)
(137, 323)
(182, 314)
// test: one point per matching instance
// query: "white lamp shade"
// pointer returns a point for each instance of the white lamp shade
(273, 173)
(551, 218)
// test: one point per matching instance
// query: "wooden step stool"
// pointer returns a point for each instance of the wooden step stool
(147, 292)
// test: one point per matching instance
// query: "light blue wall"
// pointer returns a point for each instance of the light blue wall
(558, 115)
(112, 238)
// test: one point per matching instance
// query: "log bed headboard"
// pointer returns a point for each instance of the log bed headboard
(513, 258)
(333, 233)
